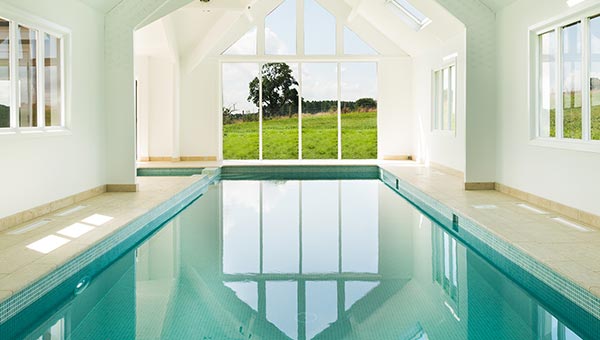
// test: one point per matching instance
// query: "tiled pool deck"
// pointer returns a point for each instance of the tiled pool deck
(569, 251)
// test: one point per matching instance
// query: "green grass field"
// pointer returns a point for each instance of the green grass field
(319, 137)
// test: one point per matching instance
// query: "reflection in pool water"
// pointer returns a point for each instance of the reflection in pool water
(302, 260)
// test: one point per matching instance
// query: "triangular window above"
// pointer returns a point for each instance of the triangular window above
(354, 45)
(319, 30)
(246, 45)
(280, 29)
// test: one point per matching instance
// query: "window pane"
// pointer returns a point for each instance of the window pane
(353, 44)
(280, 29)
(281, 230)
(360, 227)
(241, 235)
(53, 74)
(246, 45)
(240, 111)
(319, 111)
(280, 111)
(4, 74)
(359, 111)
(595, 77)
(282, 306)
(445, 98)
(437, 100)
(320, 226)
(321, 301)
(26, 55)
(319, 29)
(548, 85)
(452, 94)
(572, 81)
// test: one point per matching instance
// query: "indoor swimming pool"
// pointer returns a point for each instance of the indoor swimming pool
(304, 259)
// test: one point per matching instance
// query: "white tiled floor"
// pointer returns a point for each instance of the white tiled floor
(573, 253)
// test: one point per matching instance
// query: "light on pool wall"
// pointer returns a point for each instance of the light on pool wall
(410, 15)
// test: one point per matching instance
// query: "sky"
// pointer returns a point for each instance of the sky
(359, 80)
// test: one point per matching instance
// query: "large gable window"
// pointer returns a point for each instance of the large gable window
(307, 89)
(31, 77)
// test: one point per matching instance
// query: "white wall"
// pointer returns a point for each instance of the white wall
(142, 76)
(161, 107)
(565, 176)
(395, 107)
(37, 170)
(156, 105)
(447, 149)
(200, 132)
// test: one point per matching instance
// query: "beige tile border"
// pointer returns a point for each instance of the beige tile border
(160, 159)
(480, 185)
(447, 170)
(576, 214)
(198, 158)
(122, 188)
(397, 157)
(30, 214)
(180, 159)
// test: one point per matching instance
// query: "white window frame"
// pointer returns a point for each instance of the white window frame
(17, 18)
(299, 58)
(437, 102)
(535, 93)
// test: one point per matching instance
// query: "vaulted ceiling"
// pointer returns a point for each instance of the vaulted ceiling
(496, 5)
(106, 5)
(103, 6)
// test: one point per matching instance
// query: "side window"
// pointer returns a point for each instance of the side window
(444, 99)
(31, 77)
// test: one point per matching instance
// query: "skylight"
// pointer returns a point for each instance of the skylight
(406, 10)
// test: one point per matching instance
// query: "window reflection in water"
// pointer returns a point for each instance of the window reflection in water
(445, 262)
(312, 245)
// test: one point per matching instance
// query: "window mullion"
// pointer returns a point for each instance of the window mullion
(63, 82)
(300, 110)
(14, 79)
(339, 37)
(559, 84)
(339, 108)
(41, 88)
(300, 27)
(260, 112)
(585, 80)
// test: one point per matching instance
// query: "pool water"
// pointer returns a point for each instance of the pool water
(322, 259)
